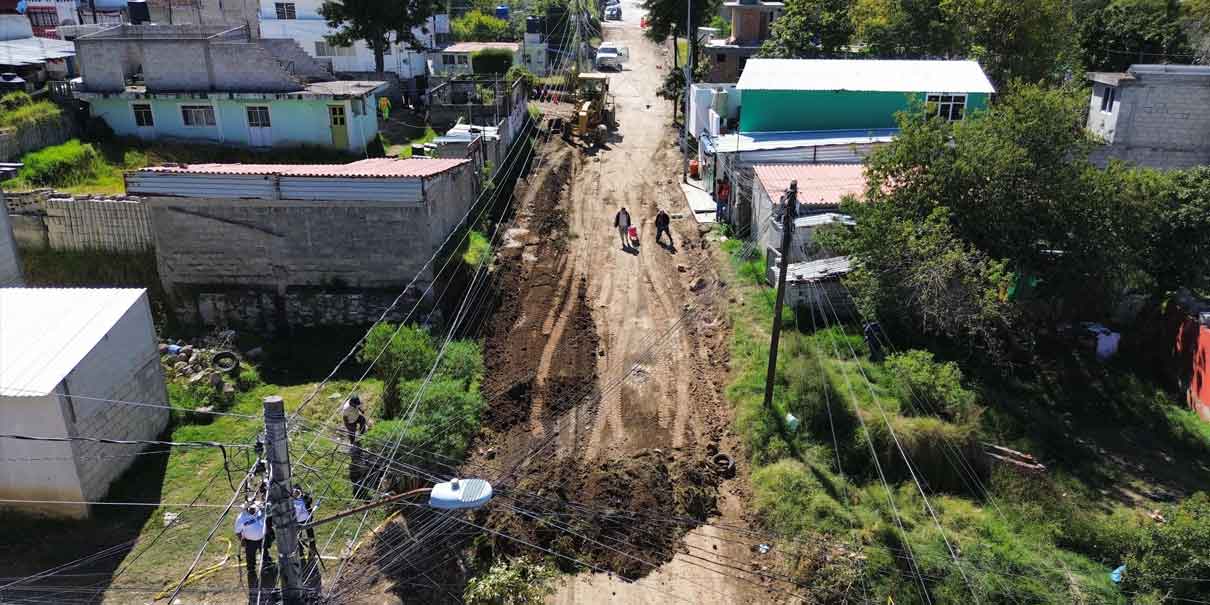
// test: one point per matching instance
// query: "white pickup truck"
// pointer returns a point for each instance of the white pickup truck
(611, 56)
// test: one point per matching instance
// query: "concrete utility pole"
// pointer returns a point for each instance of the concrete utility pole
(691, 45)
(280, 509)
(790, 201)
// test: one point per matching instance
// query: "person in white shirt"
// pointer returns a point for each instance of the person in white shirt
(354, 418)
(250, 527)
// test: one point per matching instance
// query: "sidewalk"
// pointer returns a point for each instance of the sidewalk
(701, 204)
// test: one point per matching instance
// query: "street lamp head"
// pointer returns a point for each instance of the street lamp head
(460, 494)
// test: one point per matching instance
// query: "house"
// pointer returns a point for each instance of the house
(459, 59)
(299, 20)
(67, 357)
(36, 60)
(815, 287)
(219, 85)
(1152, 115)
(751, 21)
(713, 109)
(821, 187)
(267, 247)
(781, 95)
(45, 16)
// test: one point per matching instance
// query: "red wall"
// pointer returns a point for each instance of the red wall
(1193, 348)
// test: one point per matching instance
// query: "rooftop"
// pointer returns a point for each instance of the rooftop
(818, 270)
(372, 168)
(47, 331)
(338, 89)
(818, 184)
(761, 141)
(471, 47)
(864, 75)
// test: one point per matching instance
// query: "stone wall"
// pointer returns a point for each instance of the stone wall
(16, 142)
(266, 310)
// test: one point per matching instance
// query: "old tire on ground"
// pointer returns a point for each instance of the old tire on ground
(723, 464)
(225, 361)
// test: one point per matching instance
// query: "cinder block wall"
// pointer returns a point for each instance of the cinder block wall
(1163, 122)
(123, 366)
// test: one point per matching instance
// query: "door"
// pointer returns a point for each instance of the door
(339, 124)
(260, 128)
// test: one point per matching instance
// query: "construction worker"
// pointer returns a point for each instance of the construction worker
(304, 509)
(662, 222)
(722, 200)
(621, 220)
(355, 420)
(250, 528)
(384, 107)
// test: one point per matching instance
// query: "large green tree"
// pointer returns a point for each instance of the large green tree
(397, 353)
(1028, 40)
(668, 17)
(810, 29)
(475, 26)
(374, 22)
(903, 28)
(1121, 32)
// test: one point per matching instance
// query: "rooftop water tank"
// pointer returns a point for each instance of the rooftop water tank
(502, 12)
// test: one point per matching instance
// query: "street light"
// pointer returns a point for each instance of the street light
(455, 494)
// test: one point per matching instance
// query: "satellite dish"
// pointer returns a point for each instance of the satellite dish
(460, 494)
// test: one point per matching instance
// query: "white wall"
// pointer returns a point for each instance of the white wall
(52, 476)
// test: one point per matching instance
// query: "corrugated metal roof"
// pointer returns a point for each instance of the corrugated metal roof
(371, 168)
(471, 47)
(45, 332)
(818, 184)
(818, 270)
(759, 141)
(34, 51)
(864, 75)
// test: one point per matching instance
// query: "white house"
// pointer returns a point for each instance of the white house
(300, 21)
(66, 355)
(459, 59)
(821, 187)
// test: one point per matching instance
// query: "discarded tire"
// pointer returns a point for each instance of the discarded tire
(225, 361)
(723, 464)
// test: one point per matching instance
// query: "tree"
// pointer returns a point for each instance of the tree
(475, 26)
(1122, 32)
(492, 61)
(374, 22)
(909, 29)
(1028, 40)
(810, 29)
(404, 355)
(667, 17)
(515, 582)
(1172, 217)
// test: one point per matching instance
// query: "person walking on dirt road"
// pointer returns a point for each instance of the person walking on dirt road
(662, 222)
(622, 221)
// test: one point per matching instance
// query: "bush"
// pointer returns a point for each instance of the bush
(1172, 557)
(475, 26)
(446, 417)
(60, 165)
(463, 361)
(929, 387)
(515, 582)
(492, 61)
(518, 72)
(477, 247)
(398, 353)
(14, 100)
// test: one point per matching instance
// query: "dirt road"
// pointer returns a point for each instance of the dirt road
(610, 364)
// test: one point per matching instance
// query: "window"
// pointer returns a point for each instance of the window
(323, 49)
(142, 115)
(258, 117)
(43, 18)
(948, 107)
(1107, 98)
(447, 59)
(285, 10)
(197, 115)
(463, 60)
(336, 115)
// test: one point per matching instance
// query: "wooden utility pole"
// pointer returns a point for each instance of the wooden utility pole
(285, 525)
(790, 201)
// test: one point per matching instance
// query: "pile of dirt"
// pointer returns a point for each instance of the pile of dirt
(624, 516)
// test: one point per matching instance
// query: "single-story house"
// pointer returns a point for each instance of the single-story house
(781, 95)
(67, 357)
(268, 246)
(1152, 115)
(815, 287)
(458, 59)
(340, 114)
(821, 187)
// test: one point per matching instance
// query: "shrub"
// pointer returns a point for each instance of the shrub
(477, 247)
(14, 100)
(463, 361)
(519, 72)
(929, 387)
(398, 353)
(446, 417)
(60, 165)
(475, 26)
(515, 582)
(492, 61)
(1173, 556)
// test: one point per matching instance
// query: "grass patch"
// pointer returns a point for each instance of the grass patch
(426, 137)
(19, 110)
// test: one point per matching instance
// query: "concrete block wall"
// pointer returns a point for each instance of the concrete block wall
(291, 53)
(1160, 120)
(10, 262)
(249, 67)
(118, 224)
(53, 476)
(123, 366)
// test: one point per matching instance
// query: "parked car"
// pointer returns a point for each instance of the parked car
(613, 13)
(611, 56)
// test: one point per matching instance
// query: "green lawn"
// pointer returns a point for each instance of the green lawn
(405, 150)
(1049, 539)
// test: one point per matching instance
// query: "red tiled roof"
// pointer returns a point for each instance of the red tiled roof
(471, 47)
(372, 168)
(818, 184)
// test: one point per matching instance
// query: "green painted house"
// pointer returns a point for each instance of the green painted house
(787, 95)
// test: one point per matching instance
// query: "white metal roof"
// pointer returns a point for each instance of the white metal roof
(45, 332)
(864, 75)
(34, 51)
(761, 141)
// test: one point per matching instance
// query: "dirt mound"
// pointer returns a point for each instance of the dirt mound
(624, 516)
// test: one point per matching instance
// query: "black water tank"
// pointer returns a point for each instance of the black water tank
(139, 12)
(535, 25)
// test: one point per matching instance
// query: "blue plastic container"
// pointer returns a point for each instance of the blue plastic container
(502, 12)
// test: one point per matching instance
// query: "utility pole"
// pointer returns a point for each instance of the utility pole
(790, 201)
(691, 44)
(280, 509)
